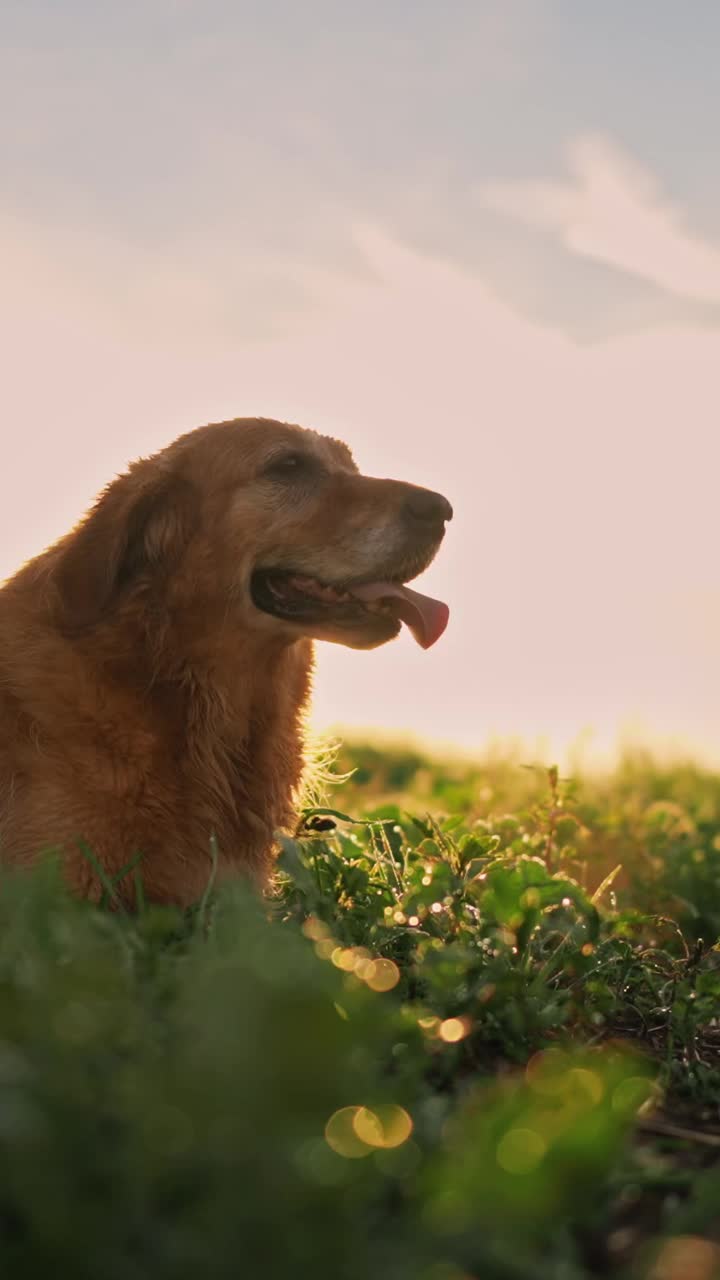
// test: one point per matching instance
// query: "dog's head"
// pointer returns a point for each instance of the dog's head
(274, 521)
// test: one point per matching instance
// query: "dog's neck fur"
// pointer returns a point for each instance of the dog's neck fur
(218, 725)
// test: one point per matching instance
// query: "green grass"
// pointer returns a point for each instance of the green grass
(474, 1033)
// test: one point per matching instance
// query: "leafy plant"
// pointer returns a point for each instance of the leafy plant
(474, 1031)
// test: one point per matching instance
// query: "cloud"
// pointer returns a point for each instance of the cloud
(614, 212)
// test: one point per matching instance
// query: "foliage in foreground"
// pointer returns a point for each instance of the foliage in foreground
(458, 1042)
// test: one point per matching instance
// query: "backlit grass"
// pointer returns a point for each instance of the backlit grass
(475, 1032)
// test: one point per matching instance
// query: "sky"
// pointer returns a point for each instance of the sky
(479, 241)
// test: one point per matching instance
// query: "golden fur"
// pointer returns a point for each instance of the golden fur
(146, 704)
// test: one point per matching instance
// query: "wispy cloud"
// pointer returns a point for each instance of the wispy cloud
(613, 210)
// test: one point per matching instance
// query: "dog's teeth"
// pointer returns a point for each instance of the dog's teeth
(322, 591)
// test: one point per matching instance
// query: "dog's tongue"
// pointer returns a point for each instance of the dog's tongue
(426, 618)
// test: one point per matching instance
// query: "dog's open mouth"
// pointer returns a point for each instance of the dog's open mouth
(298, 598)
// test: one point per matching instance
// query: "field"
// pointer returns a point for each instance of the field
(475, 1032)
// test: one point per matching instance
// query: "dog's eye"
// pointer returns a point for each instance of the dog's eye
(288, 465)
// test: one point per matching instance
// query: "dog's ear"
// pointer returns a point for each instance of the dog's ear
(137, 530)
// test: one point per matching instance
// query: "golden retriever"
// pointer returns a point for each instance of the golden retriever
(156, 661)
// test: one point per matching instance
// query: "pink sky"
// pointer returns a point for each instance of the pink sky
(581, 567)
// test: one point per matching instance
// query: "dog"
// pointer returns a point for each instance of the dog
(155, 663)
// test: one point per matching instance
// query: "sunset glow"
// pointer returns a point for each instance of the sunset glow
(571, 418)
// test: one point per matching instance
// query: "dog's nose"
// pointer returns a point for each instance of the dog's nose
(431, 508)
